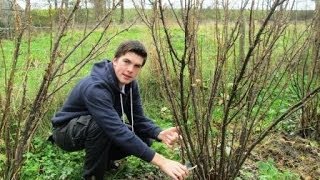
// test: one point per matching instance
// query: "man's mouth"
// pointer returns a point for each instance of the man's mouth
(126, 76)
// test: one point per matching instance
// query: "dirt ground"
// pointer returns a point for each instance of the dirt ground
(289, 152)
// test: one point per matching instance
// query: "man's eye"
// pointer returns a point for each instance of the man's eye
(138, 66)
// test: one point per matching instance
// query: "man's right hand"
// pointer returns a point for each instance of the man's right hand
(174, 169)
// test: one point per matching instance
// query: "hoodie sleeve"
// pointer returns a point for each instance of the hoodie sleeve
(142, 125)
(98, 100)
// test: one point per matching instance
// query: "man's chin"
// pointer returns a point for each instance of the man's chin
(126, 82)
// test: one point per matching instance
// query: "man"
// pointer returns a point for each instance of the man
(92, 118)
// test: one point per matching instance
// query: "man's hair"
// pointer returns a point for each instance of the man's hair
(132, 46)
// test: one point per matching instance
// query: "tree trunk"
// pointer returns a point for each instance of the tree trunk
(100, 8)
(55, 4)
(66, 3)
(122, 11)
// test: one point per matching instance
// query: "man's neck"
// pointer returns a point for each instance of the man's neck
(122, 86)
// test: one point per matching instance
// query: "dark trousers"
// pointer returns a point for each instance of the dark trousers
(84, 133)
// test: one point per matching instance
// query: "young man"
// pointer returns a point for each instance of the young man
(92, 118)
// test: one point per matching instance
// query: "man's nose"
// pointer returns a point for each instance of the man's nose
(130, 68)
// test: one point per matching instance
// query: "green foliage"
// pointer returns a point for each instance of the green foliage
(135, 168)
(1, 25)
(160, 112)
(2, 159)
(41, 17)
(47, 161)
(44, 17)
(267, 171)
(132, 168)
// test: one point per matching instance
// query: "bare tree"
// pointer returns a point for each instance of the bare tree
(307, 76)
(121, 2)
(65, 4)
(222, 119)
(317, 2)
(55, 4)
(22, 112)
(99, 8)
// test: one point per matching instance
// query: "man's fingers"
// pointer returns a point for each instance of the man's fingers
(170, 136)
(178, 129)
(174, 129)
(170, 140)
(173, 136)
(168, 144)
(175, 170)
(182, 171)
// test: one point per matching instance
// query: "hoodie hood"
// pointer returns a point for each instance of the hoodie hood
(104, 71)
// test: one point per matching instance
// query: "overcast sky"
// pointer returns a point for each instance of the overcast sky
(297, 4)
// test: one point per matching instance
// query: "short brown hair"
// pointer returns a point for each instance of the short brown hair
(132, 46)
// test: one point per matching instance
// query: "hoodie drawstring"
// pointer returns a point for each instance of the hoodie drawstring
(122, 111)
(131, 108)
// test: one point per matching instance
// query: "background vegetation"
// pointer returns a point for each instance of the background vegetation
(229, 78)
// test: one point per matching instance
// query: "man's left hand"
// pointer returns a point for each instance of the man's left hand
(169, 136)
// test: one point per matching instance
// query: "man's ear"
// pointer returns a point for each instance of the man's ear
(114, 60)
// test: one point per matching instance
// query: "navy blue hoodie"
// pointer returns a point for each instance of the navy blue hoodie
(98, 95)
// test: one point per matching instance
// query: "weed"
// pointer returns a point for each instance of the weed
(267, 171)
(47, 161)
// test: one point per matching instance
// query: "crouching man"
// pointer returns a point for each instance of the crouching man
(93, 117)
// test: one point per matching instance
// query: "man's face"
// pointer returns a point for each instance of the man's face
(127, 67)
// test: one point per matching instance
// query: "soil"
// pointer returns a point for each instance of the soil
(289, 152)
